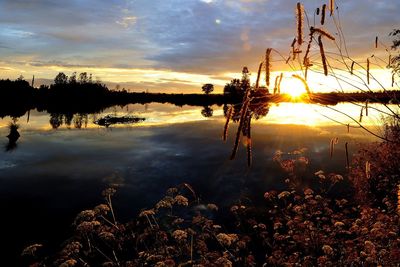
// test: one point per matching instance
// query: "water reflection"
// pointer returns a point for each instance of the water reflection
(243, 113)
(207, 112)
(151, 156)
(13, 136)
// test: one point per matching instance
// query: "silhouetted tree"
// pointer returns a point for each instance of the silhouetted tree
(237, 88)
(207, 88)
(83, 78)
(72, 78)
(20, 78)
(232, 88)
(61, 78)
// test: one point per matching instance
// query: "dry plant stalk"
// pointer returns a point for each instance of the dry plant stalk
(392, 79)
(323, 57)
(293, 43)
(308, 46)
(366, 107)
(368, 169)
(300, 20)
(368, 70)
(249, 143)
(276, 84)
(352, 68)
(361, 114)
(268, 66)
(259, 74)
(347, 156)
(331, 6)
(228, 118)
(398, 199)
(279, 83)
(348, 128)
(334, 141)
(243, 113)
(323, 32)
(323, 12)
(304, 82)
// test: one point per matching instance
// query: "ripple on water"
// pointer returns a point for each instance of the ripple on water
(4, 164)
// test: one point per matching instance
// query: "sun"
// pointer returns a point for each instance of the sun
(293, 87)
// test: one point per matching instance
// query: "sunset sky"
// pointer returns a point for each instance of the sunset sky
(173, 45)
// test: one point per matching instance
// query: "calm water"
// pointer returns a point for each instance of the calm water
(53, 174)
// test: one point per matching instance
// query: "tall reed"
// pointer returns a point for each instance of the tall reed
(331, 7)
(304, 82)
(249, 144)
(347, 156)
(323, 13)
(228, 118)
(323, 57)
(259, 74)
(243, 113)
(268, 66)
(300, 22)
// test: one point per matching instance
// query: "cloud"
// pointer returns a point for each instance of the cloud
(210, 37)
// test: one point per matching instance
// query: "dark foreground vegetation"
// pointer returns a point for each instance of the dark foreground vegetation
(324, 220)
(17, 97)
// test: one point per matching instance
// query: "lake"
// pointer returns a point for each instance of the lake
(52, 174)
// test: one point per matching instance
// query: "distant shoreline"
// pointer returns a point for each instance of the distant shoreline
(94, 98)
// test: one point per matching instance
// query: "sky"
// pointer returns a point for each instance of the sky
(174, 45)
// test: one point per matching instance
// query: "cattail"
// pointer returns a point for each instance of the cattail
(323, 14)
(334, 141)
(268, 66)
(243, 112)
(324, 33)
(347, 156)
(33, 80)
(228, 118)
(376, 42)
(259, 74)
(279, 83)
(368, 169)
(28, 117)
(304, 82)
(299, 15)
(366, 107)
(321, 49)
(361, 114)
(348, 128)
(317, 11)
(368, 70)
(352, 68)
(331, 6)
(249, 144)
